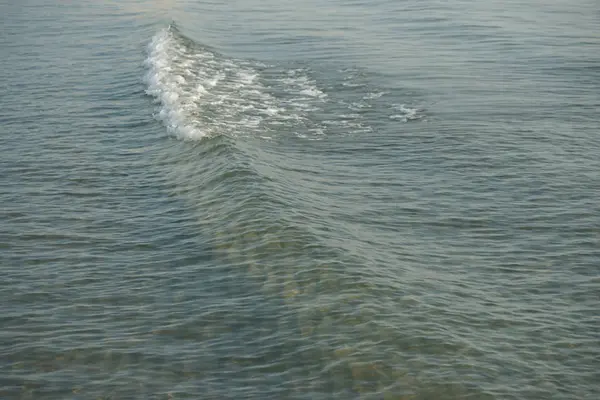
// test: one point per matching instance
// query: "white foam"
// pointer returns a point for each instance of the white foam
(298, 82)
(218, 77)
(406, 113)
(353, 84)
(374, 95)
(359, 106)
(200, 93)
(169, 87)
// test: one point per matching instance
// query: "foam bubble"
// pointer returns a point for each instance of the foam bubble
(406, 113)
(298, 82)
(374, 95)
(201, 93)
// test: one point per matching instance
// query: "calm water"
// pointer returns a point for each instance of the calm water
(300, 200)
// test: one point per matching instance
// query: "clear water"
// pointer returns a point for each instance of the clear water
(304, 200)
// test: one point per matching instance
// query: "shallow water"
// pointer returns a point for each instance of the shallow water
(260, 199)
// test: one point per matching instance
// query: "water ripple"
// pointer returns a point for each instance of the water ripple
(388, 201)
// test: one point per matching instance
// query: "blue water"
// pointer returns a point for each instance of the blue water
(284, 200)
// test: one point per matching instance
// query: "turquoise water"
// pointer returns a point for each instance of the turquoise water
(273, 200)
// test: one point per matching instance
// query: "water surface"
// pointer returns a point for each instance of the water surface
(273, 199)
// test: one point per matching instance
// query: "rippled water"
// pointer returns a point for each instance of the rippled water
(274, 199)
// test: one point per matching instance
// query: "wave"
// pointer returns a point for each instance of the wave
(201, 93)
(279, 222)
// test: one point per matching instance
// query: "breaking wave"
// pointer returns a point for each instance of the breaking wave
(201, 93)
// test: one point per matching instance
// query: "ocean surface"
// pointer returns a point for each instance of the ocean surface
(284, 199)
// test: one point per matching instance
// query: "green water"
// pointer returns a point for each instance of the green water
(283, 200)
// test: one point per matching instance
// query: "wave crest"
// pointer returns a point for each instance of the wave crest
(201, 93)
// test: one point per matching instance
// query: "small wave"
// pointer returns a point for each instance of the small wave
(374, 95)
(298, 82)
(406, 114)
(201, 93)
